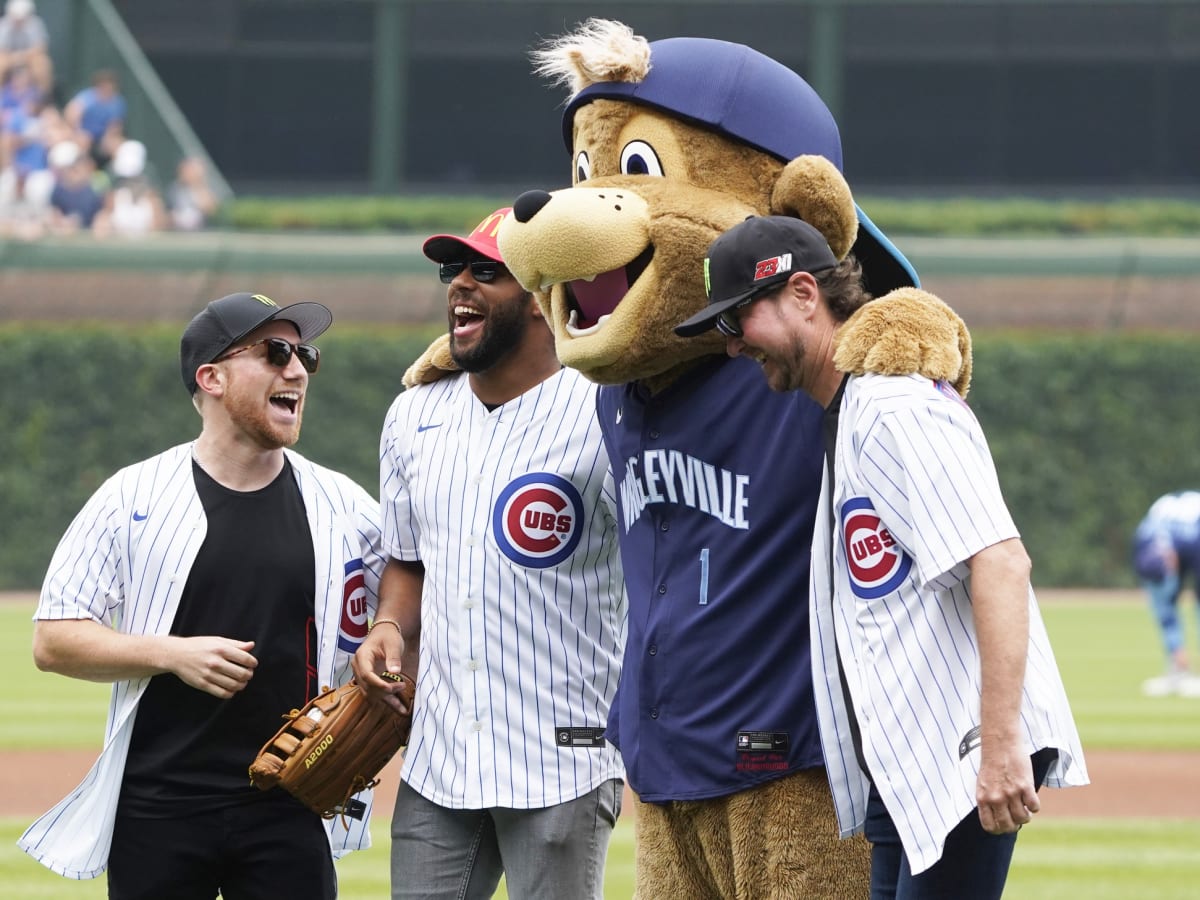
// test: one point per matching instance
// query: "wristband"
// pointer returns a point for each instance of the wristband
(385, 622)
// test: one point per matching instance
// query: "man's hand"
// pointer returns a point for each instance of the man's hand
(1004, 790)
(380, 653)
(216, 665)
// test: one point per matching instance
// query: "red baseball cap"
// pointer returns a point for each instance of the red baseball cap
(449, 247)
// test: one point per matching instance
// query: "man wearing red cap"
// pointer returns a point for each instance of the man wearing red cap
(504, 597)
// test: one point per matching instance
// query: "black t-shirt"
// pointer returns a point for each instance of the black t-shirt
(252, 580)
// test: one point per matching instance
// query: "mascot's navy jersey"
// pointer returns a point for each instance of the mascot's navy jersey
(718, 479)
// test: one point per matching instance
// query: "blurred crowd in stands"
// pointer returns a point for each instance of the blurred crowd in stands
(68, 167)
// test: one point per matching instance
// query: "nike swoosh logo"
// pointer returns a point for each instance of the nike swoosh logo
(618, 415)
(139, 518)
(421, 428)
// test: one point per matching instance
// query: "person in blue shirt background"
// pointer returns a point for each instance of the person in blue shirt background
(1166, 552)
(99, 111)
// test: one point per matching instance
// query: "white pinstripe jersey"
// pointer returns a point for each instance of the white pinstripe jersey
(124, 562)
(523, 608)
(1172, 520)
(916, 497)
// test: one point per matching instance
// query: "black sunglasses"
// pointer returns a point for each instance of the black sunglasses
(727, 322)
(482, 270)
(279, 353)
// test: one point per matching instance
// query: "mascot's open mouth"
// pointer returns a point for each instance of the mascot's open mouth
(592, 301)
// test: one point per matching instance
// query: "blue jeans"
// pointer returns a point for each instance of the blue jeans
(543, 854)
(973, 864)
(1164, 602)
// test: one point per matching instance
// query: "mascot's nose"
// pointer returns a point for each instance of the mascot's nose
(529, 204)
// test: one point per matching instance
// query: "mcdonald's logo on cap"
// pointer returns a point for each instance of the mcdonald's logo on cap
(482, 240)
(488, 228)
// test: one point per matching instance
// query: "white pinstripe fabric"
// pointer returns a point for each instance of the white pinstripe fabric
(916, 453)
(124, 562)
(510, 652)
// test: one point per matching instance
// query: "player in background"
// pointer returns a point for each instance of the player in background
(503, 597)
(1166, 552)
(216, 585)
(939, 700)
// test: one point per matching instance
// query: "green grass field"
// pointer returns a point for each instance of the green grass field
(1104, 650)
(1062, 859)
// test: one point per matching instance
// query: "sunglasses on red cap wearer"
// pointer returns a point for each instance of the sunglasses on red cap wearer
(482, 270)
(453, 253)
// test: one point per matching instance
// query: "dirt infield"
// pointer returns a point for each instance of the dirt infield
(1125, 784)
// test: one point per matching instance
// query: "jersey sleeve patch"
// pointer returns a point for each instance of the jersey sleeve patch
(875, 562)
(353, 626)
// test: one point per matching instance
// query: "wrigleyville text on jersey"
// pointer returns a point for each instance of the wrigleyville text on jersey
(672, 476)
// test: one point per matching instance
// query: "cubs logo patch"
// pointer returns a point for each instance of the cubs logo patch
(353, 626)
(876, 564)
(538, 520)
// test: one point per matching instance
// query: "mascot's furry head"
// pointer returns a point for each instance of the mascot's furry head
(673, 142)
(726, 88)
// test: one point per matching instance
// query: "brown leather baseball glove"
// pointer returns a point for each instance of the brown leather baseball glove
(333, 748)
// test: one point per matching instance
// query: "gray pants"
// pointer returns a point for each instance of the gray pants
(544, 854)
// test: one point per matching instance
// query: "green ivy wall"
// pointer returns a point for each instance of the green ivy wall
(1086, 430)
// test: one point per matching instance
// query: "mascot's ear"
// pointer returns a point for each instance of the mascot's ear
(433, 364)
(811, 188)
(908, 331)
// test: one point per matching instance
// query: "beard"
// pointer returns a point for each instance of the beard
(781, 381)
(787, 374)
(248, 413)
(502, 332)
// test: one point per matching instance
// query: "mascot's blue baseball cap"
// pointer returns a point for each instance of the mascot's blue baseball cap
(756, 100)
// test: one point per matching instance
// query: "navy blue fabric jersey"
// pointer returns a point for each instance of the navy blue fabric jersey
(718, 480)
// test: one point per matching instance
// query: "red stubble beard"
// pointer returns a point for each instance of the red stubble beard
(257, 417)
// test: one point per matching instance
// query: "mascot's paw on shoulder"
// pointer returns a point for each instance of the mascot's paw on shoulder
(908, 330)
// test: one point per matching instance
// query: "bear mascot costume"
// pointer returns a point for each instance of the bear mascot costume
(673, 142)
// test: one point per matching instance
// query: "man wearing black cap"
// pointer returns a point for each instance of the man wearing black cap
(216, 585)
(503, 595)
(941, 709)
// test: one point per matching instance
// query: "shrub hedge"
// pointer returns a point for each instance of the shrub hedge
(954, 216)
(82, 401)
(425, 215)
(1086, 430)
